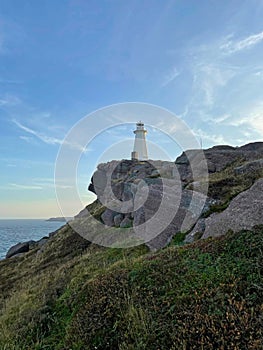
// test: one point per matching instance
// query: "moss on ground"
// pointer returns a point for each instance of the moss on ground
(224, 185)
(207, 295)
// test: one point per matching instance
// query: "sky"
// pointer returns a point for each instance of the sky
(62, 60)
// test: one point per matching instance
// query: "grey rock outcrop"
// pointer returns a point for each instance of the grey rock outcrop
(249, 167)
(148, 197)
(175, 211)
(159, 198)
(118, 219)
(244, 212)
(108, 217)
(42, 241)
(126, 222)
(18, 249)
(217, 158)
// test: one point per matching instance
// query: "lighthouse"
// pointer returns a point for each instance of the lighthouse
(140, 148)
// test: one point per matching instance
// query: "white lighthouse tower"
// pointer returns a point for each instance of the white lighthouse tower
(140, 148)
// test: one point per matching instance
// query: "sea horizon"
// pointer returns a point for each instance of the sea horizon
(24, 218)
(14, 231)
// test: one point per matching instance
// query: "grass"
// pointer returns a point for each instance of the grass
(226, 184)
(201, 296)
(79, 296)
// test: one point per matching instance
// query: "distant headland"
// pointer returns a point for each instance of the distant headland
(60, 219)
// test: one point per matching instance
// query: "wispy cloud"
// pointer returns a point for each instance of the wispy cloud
(171, 76)
(2, 50)
(209, 78)
(15, 186)
(10, 81)
(49, 139)
(259, 74)
(221, 119)
(50, 183)
(225, 90)
(251, 119)
(36, 184)
(26, 138)
(25, 163)
(231, 46)
(9, 100)
(214, 139)
(63, 183)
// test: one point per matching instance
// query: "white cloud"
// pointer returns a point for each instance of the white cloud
(251, 121)
(254, 119)
(49, 139)
(42, 137)
(50, 185)
(171, 76)
(9, 100)
(208, 79)
(10, 81)
(213, 138)
(2, 50)
(25, 163)
(259, 74)
(236, 46)
(224, 90)
(221, 119)
(26, 138)
(36, 185)
(24, 187)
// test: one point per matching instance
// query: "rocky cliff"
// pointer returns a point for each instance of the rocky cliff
(149, 197)
(203, 193)
(177, 194)
(65, 292)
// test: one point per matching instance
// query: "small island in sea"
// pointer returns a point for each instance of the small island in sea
(60, 219)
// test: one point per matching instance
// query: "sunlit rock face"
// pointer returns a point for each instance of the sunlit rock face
(169, 197)
(243, 213)
(217, 158)
(148, 196)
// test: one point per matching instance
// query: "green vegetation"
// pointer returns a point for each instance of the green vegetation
(178, 238)
(76, 295)
(226, 184)
(96, 209)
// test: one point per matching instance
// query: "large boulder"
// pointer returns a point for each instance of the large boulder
(217, 158)
(167, 211)
(17, 249)
(244, 212)
(126, 222)
(149, 198)
(42, 241)
(160, 198)
(249, 167)
(118, 219)
(108, 217)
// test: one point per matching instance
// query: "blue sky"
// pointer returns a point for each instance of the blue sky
(61, 60)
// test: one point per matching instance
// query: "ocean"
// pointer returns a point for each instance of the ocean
(21, 230)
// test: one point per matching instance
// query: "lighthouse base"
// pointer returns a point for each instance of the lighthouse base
(134, 155)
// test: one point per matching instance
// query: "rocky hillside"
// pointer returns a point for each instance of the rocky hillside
(202, 290)
(76, 295)
(156, 200)
(148, 196)
(198, 185)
